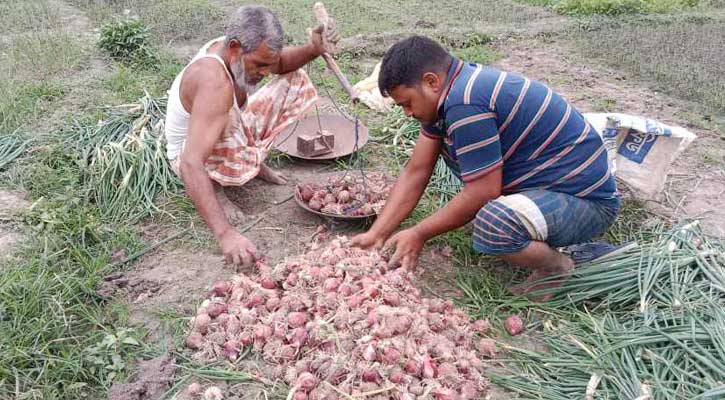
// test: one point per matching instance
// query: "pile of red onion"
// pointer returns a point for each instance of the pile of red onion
(338, 320)
(351, 194)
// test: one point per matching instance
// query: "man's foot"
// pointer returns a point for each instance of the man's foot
(232, 211)
(268, 174)
(530, 285)
(587, 252)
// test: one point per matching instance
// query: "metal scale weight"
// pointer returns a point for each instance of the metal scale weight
(327, 136)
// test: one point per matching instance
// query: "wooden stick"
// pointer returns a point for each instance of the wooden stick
(322, 17)
(340, 77)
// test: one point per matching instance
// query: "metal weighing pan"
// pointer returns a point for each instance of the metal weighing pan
(341, 127)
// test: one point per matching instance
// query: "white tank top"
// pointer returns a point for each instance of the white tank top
(177, 117)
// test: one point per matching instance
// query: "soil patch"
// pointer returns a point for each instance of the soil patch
(152, 379)
(11, 203)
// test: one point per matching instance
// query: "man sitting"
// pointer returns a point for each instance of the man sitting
(535, 173)
(219, 128)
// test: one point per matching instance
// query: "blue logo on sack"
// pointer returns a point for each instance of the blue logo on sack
(636, 144)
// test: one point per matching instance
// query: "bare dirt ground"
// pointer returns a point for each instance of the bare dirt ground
(151, 380)
(11, 203)
(176, 276)
(73, 19)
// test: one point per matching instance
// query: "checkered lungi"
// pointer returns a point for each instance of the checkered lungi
(250, 133)
(509, 223)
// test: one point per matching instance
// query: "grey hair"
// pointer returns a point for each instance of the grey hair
(252, 25)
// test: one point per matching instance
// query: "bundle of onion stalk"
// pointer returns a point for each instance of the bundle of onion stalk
(125, 158)
(12, 146)
(338, 322)
(648, 324)
(664, 269)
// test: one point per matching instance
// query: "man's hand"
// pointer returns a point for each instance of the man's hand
(368, 241)
(237, 249)
(322, 40)
(408, 245)
(325, 37)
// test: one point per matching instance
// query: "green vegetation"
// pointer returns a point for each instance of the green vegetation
(33, 65)
(58, 340)
(713, 157)
(399, 134)
(128, 167)
(128, 83)
(126, 40)
(473, 48)
(11, 147)
(20, 102)
(404, 18)
(20, 16)
(169, 20)
(174, 20)
(42, 55)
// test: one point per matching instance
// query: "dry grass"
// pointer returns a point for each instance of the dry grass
(614, 7)
(19, 16)
(415, 16)
(176, 20)
(42, 55)
(33, 74)
(682, 56)
(170, 20)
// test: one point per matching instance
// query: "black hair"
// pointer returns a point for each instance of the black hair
(406, 61)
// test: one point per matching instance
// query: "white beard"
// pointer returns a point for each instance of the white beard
(240, 78)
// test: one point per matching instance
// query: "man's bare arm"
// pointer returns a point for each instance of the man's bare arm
(463, 207)
(209, 116)
(295, 57)
(208, 95)
(405, 194)
(460, 210)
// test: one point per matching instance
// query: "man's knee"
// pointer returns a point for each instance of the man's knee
(498, 230)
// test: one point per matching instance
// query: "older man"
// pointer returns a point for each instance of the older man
(219, 129)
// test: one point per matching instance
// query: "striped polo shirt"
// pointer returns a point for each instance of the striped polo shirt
(490, 118)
